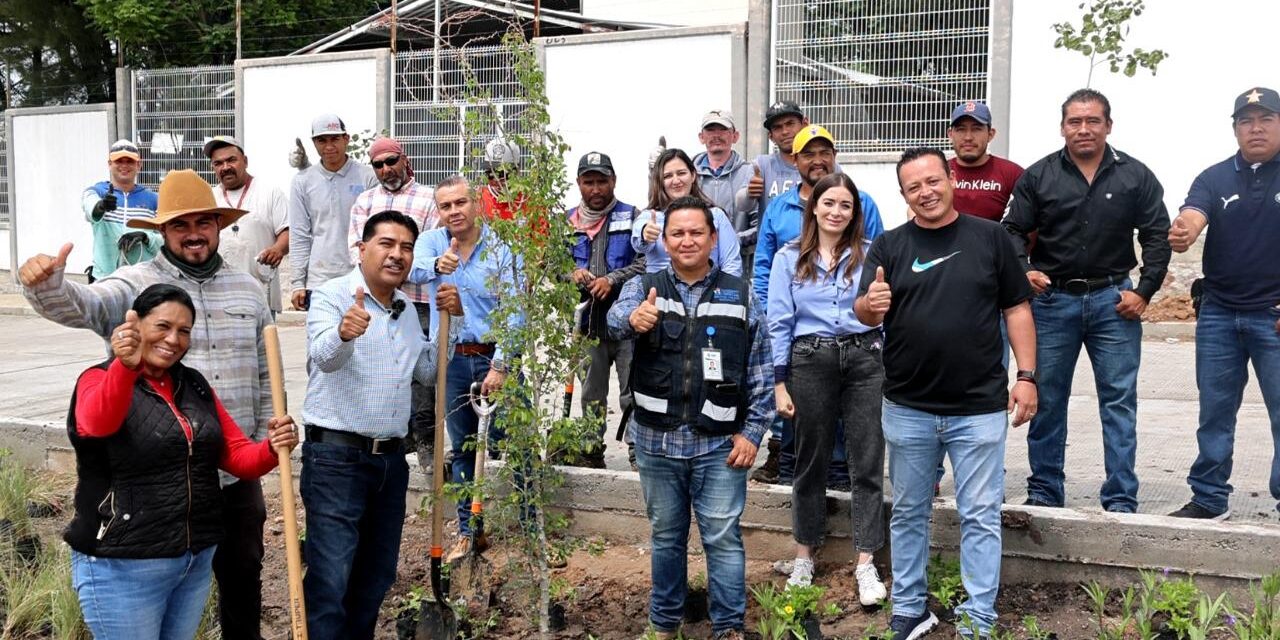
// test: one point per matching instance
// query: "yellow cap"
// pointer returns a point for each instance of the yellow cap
(810, 133)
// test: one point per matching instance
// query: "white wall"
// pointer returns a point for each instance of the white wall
(880, 181)
(619, 97)
(61, 154)
(668, 12)
(1177, 122)
(280, 101)
(5, 253)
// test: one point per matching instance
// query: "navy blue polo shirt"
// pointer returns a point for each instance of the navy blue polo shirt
(1242, 204)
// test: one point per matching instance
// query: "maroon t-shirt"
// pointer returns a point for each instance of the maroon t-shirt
(984, 191)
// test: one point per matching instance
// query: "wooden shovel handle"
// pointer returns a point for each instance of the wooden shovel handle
(292, 546)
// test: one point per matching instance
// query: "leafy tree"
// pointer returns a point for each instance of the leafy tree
(1101, 34)
(53, 55)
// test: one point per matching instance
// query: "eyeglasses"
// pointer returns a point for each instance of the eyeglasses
(391, 161)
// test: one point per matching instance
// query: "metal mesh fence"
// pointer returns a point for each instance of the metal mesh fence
(174, 111)
(4, 175)
(882, 75)
(430, 115)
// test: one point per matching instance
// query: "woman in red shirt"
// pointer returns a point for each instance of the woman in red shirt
(150, 436)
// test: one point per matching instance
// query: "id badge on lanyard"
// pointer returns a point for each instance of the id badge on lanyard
(712, 367)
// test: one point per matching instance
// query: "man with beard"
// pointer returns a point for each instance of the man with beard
(984, 182)
(226, 346)
(815, 155)
(398, 190)
(365, 350)
(257, 242)
(320, 210)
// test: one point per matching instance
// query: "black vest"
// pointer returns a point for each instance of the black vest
(666, 372)
(144, 492)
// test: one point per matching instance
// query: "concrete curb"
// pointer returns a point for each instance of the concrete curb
(1040, 544)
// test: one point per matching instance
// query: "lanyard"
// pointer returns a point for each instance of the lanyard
(244, 192)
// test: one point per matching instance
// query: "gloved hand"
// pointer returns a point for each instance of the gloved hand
(131, 243)
(107, 203)
(298, 157)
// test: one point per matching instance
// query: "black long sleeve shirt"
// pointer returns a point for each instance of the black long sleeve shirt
(1085, 230)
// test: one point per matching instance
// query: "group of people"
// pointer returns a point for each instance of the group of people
(745, 298)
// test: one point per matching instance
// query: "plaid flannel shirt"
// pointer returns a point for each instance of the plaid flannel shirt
(414, 200)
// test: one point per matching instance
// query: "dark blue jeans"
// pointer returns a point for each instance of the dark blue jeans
(463, 424)
(1065, 322)
(1226, 340)
(355, 512)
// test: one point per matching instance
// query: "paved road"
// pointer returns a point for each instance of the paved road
(39, 362)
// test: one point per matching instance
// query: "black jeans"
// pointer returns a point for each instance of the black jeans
(237, 563)
(834, 379)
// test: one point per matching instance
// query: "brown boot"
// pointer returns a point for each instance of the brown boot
(768, 472)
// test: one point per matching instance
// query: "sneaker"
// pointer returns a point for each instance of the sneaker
(871, 589)
(801, 573)
(654, 634)
(1193, 510)
(910, 628)
(783, 567)
(768, 472)
(729, 634)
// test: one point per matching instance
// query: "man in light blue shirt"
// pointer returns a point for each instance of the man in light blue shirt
(365, 351)
(464, 252)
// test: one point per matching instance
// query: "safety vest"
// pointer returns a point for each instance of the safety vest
(619, 253)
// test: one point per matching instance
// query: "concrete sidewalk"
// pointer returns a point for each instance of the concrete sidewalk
(39, 362)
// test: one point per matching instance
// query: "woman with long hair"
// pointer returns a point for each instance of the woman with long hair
(150, 436)
(672, 177)
(827, 370)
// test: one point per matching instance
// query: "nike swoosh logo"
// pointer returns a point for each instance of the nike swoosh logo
(918, 267)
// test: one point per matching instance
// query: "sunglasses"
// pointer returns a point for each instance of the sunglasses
(389, 162)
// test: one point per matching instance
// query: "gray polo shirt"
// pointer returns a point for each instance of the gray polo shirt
(319, 217)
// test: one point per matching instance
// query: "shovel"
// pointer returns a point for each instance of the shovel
(437, 620)
(473, 570)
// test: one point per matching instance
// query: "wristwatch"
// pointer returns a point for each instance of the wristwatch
(1028, 375)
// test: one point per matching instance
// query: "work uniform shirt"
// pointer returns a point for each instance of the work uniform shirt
(1086, 229)
(1242, 204)
(984, 190)
(414, 199)
(319, 218)
(240, 243)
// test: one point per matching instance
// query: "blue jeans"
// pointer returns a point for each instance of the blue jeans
(463, 425)
(355, 512)
(717, 493)
(1064, 322)
(143, 598)
(916, 441)
(1226, 340)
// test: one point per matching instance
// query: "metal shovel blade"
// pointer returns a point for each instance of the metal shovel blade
(436, 622)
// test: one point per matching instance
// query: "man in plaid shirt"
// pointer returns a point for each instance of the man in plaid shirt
(397, 190)
(702, 396)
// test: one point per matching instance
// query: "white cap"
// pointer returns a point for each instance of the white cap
(327, 125)
(499, 152)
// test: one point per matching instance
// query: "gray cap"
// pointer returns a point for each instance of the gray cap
(218, 142)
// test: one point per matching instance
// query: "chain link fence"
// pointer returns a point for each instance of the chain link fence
(430, 114)
(5, 220)
(174, 111)
(881, 75)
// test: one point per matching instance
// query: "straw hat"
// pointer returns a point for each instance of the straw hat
(184, 193)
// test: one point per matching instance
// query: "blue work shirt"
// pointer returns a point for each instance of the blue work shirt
(781, 224)
(482, 279)
(362, 385)
(727, 256)
(1242, 205)
(819, 307)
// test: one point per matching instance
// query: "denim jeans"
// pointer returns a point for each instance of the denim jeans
(1226, 340)
(463, 425)
(355, 512)
(1064, 322)
(602, 356)
(785, 432)
(834, 380)
(717, 493)
(975, 445)
(143, 598)
(237, 563)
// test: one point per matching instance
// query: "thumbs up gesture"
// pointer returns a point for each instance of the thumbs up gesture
(356, 320)
(645, 317)
(126, 341)
(41, 267)
(1180, 237)
(755, 188)
(448, 263)
(652, 230)
(879, 296)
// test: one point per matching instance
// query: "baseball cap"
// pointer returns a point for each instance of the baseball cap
(720, 117)
(779, 109)
(327, 125)
(123, 149)
(1257, 97)
(595, 161)
(809, 134)
(218, 142)
(971, 109)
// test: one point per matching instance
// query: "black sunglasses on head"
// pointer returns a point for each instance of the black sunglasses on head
(390, 161)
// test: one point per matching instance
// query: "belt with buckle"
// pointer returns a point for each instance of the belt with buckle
(375, 446)
(1081, 286)
(473, 349)
(858, 339)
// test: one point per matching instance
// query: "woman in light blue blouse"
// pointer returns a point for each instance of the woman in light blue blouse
(828, 369)
(673, 177)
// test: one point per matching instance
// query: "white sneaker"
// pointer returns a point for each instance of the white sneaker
(782, 567)
(801, 573)
(871, 589)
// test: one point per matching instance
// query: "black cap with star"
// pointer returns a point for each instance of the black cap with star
(1257, 97)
